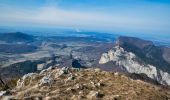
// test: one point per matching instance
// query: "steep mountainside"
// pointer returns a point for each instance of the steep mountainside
(146, 51)
(82, 84)
(139, 56)
(166, 54)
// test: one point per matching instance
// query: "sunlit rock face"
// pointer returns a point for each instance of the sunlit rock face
(134, 64)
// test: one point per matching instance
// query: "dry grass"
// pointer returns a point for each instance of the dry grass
(108, 85)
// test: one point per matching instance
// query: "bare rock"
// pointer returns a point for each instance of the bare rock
(26, 80)
(43, 71)
(51, 68)
(94, 95)
(78, 86)
(71, 77)
(2, 93)
(46, 80)
(97, 70)
(65, 70)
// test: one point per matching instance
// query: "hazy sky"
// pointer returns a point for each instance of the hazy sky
(132, 16)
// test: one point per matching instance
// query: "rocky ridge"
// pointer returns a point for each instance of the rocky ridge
(82, 84)
(134, 64)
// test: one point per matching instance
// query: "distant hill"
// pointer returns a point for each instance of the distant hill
(16, 37)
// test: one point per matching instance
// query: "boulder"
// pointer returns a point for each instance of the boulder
(94, 95)
(2, 93)
(65, 70)
(46, 80)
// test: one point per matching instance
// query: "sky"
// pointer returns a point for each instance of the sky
(129, 16)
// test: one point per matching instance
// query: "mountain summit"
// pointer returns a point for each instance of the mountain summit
(82, 84)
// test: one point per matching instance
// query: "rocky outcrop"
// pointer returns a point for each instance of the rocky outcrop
(83, 84)
(134, 64)
(149, 53)
(25, 80)
(46, 80)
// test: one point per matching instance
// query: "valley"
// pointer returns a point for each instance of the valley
(43, 52)
(132, 56)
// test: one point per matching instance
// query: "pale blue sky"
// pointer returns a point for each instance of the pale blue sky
(131, 16)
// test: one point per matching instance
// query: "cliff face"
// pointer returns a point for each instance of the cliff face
(133, 64)
(139, 56)
(146, 51)
(82, 84)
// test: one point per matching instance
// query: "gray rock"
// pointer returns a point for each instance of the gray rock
(71, 77)
(127, 60)
(65, 70)
(2, 93)
(78, 86)
(51, 68)
(46, 80)
(94, 95)
(21, 82)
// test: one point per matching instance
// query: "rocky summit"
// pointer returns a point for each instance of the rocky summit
(82, 84)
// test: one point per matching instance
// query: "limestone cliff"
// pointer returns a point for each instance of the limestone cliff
(134, 64)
